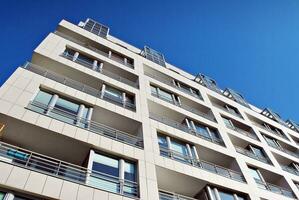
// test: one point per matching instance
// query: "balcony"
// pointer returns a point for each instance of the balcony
(33, 161)
(93, 126)
(179, 125)
(252, 155)
(207, 166)
(200, 110)
(281, 146)
(274, 188)
(128, 62)
(164, 195)
(77, 85)
(170, 82)
(240, 128)
(270, 128)
(100, 69)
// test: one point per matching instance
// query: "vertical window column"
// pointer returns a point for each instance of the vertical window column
(52, 103)
(75, 56)
(88, 117)
(103, 91)
(80, 114)
(124, 99)
(121, 169)
(188, 124)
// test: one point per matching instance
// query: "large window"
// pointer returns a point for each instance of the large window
(162, 94)
(2, 195)
(107, 172)
(64, 109)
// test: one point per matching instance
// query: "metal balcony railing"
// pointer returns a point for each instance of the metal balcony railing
(66, 171)
(252, 155)
(207, 166)
(165, 195)
(184, 128)
(274, 188)
(243, 132)
(290, 170)
(77, 85)
(92, 126)
(112, 57)
(170, 83)
(185, 107)
(103, 71)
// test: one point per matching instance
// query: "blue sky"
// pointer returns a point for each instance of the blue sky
(250, 46)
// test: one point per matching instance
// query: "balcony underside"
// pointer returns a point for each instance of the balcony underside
(44, 141)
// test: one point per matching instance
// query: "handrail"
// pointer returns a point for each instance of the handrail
(67, 171)
(114, 58)
(252, 155)
(102, 71)
(185, 107)
(165, 195)
(184, 128)
(208, 166)
(172, 85)
(274, 188)
(90, 125)
(75, 84)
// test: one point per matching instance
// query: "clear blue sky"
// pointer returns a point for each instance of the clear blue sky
(250, 46)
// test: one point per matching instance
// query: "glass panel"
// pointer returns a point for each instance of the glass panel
(43, 97)
(225, 196)
(202, 130)
(179, 147)
(67, 106)
(254, 173)
(2, 194)
(153, 90)
(165, 95)
(105, 165)
(228, 123)
(113, 92)
(130, 172)
(162, 141)
(258, 152)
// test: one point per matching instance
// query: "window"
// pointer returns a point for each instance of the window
(43, 97)
(226, 196)
(228, 123)
(202, 130)
(162, 141)
(106, 173)
(272, 142)
(2, 195)
(257, 151)
(255, 174)
(112, 92)
(232, 109)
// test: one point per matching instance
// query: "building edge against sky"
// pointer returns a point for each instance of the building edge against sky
(92, 117)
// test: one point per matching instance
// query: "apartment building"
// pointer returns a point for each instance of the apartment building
(91, 117)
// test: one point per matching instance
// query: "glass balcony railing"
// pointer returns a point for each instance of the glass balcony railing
(185, 107)
(271, 131)
(184, 128)
(243, 132)
(283, 149)
(111, 56)
(77, 85)
(92, 126)
(274, 188)
(229, 111)
(290, 170)
(164, 195)
(207, 166)
(66, 171)
(170, 83)
(252, 155)
(102, 71)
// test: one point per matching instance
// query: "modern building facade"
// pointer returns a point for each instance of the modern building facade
(91, 117)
